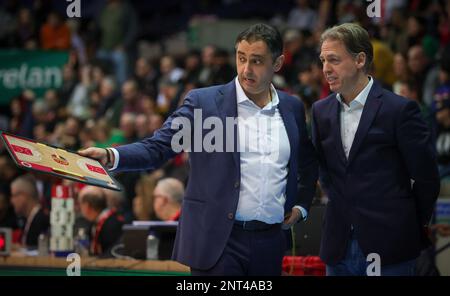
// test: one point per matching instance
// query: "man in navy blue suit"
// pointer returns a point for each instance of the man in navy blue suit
(258, 180)
(377, 164)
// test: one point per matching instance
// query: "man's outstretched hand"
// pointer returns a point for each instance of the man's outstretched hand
(97, 153)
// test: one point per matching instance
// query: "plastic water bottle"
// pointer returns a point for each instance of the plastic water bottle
(152, 247)
(82, 243)
(43, 245)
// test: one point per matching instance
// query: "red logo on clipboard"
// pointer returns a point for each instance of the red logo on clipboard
(96, 169)
(20, 149)
(59, 159)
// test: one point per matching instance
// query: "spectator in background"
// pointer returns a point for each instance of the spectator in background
(423, 72)
(307, 89)
(69, 82)
(25, 200)
(401, 71)
(21, 122)
(106, 136)
(302, 16)
(167, 198)
(146, 76)
(115, 201)
(44, 114)
(128, 127)
(222, 70)
(107, 225)
(394, 33)
(78, 104)
(441, 111)
(382, 63)
(69, 138)
(141, 126)
(192, 67)
(131, 102)
(143, 201)
(8, 172)
(155, 122)
(76, 41)
(118, 26)
(205, 75)
(410, 90)
(106, 97)
(169, 70)
(168, 91)
(26, 36)
(55, 34)
(7, 216)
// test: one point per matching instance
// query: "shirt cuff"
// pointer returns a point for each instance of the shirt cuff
(116, 159)
(303, 211)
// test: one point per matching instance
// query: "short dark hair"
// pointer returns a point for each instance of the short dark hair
(355, 38)
(95, 201)
(266, 33)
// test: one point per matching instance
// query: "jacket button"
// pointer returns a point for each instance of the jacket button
(230, 216)
(236, 185)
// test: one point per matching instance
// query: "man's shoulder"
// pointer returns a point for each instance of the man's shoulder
(208, 90)
(289, 99)
(393, 100)
(322, 103)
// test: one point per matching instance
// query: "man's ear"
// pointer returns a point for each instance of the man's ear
(361, 60)
(278, 63)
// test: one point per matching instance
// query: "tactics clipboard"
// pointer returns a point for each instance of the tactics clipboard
(31, 155)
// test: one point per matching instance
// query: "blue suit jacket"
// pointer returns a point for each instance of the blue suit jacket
(372, 190)
(212, 193)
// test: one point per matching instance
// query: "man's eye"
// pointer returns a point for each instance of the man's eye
(257, 62)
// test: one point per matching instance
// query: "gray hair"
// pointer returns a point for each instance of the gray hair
(355, 38)
(173, 188)
(27, 184)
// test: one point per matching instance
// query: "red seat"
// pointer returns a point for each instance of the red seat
(303, 265)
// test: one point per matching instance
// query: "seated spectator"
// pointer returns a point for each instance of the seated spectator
(55, 34)
(441, 111)
(143, 201)
(107, 225)
(25, 200)
(115, 200)
(409, 89)
(7, 215)
(167, 198)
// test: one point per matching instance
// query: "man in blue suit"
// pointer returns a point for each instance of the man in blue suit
(377, 164)
(240, 197)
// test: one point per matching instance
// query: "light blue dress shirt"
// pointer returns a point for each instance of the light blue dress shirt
(351, 115)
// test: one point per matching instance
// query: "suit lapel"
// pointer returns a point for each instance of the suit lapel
(226, 102)
(370, 110)
(289, 122)
(335, 119)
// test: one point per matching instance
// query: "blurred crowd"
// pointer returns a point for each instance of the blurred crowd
(112, 95)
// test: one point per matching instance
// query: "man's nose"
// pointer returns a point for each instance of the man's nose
(247, 68)
(326, 68)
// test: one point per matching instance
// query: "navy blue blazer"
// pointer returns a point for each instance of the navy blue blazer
(212, 192)
(372, 189)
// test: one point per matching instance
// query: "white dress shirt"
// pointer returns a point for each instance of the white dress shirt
(351, 115)
(264, 156)
(264, 149)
